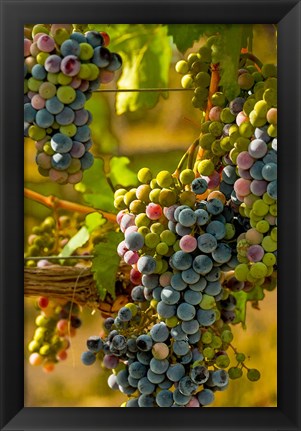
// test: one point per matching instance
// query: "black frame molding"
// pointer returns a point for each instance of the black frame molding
(14, 14)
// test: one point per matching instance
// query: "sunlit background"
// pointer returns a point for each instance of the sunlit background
(155, 138)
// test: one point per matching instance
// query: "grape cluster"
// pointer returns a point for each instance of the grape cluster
(169, 347)
(196, 71)
(56, 323)
(49, 238)
(61, 69)
(159, 368)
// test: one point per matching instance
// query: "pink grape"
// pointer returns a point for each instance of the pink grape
(244, 173)
(119, 216)
(76, 82)
(58, 176)
(40, 144)
(255, 253)
(241, 118)
(127, 220)
(258, 187)
(84, 85)
(34, 50)
(81, 117)
(62, 356)
(43, 302)
(135, 276)
(30, 94)
(130, 229)
(169, 212)
(194, 402)
(62, 326)
(270, 219)
(244, 160)
(75, 178)
(35, 359)
(188, 243)
(257, 148)
(27, 45)
(213, 180)
(240, 197)
(110, 361)
(70, 65)
(78, 150)
(253, 236)
(38, 102)
(53, 63)
(131, 257)
(250, 199)
(122, 249)
(38, 35)
(165, 279)
(153, 211)
(106, 76)
(242, 186)
(43, 160)
(46, 43)
(215, 113)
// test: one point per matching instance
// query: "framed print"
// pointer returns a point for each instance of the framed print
(145, 195)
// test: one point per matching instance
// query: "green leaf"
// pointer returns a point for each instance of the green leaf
(184, 35)
(228, 56)
(120, 173)
(104, 140)
(93, 221)
(242, 298)
(95, 187)
(105, 264)
(77, 241)
(146, 54)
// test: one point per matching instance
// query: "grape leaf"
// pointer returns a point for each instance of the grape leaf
(120, 173)
(146, 54)
(104, 140)
(95, 187)
(256, 294)
(184, 35)
(77, 241)
(94, 220)
(105, 264)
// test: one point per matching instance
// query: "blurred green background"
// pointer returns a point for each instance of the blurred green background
(155, 138)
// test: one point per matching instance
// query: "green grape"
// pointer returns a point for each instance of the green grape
(209, 353)
(168, 237)
(235, 373)
(136, 206)
(206, 337)
(201, 93)
(151, 240)
(34, 346)
(167, 197)
(144, 175)
(129, 197)
(226, 116)
(246, 130)
(155, 195)
(269, 70)
(257, 76)
(198, 102)
(182, 67)
(164, 179)
(253, 375)
(142, 220)
(217, 149)
(187, 81)
(187, 176)
(249, 105)
(226, 144)
(216, 342)
(205, 126)
(202, 79)
(218, 99)
(119, 203)
(120, 192)
(227, 336)
(207, 302)
(206, 140)
(205, 167)
(222, 361)
(240, 357)
(241, 272)
(162, 248)
(216, 128)
(245, 81)
(205, 53)
(144, 230)
(192, 58)
(187, 198)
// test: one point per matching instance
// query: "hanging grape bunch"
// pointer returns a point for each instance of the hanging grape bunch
(61, 70)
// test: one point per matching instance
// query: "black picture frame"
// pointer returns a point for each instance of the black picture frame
(14, 14)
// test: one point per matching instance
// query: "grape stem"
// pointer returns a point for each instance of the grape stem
(252, 57)
(188, 155)
(56, 203)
